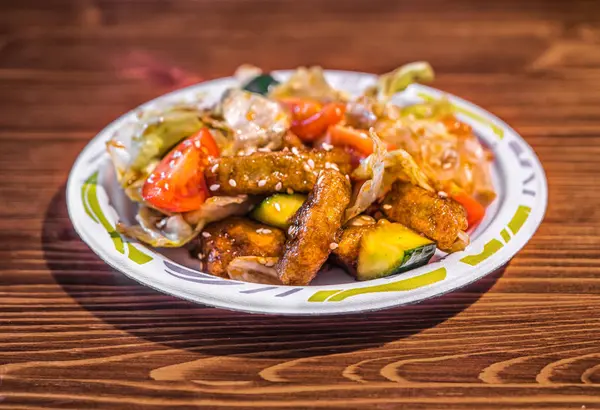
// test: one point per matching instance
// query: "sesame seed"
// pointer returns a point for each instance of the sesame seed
(214, 187)
(172, 163)
(311, 163)
(278, 207)
(232, 183)
(327, 165)
(262, 182)
(295, 151)
(197, 144)
(333, 246)
(334, 166)
(264, 149)
(292, 230)
(443, 194)
(387, 206)
(251, 151)
(206, 234)
(270, 263)
(348, 177)
(327, 147)
(167, 186)
(278, 186)
(290, 191)
(306, 167)
(214, 168)
(200, 256)
(266, 231)
(177, 154)
(285, 149)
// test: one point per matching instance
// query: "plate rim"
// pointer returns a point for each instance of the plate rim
(477, 272)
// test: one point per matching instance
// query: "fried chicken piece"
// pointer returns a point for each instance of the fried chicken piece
(264, 173)
(346, 254)
(314, 229)
(223, 241)
(439, 219)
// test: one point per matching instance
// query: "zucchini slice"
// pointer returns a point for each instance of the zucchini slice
(392, 248)
(278, 209)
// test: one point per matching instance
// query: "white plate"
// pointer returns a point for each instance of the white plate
(96, 203)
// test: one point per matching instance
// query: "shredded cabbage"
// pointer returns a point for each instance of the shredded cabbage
(380, 170)
(173, 231)
(255, 120)
(399, 79)
(254, 269)
(308, 83)
(371, 169)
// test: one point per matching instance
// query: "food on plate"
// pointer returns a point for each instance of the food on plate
(282, 175)
(262, 173)
(372, 251)
(313, 232)
(279, 209)
(223, 241)
(440, 219)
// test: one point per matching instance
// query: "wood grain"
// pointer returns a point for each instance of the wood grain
(74, 334)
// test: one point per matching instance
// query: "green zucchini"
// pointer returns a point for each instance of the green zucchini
(277, 210)
(392, 248)
(260, 84)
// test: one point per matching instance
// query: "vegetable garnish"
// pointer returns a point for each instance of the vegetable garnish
(177, 183)
(310, 119)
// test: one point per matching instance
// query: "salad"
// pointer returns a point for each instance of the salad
(279, 178)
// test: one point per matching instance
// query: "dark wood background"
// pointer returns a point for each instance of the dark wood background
(75, 334)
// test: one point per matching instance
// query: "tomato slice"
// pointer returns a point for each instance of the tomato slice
(301, 108)
(316, 125)
(177, 183)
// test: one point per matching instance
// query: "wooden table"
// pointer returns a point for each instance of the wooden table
(75, 334)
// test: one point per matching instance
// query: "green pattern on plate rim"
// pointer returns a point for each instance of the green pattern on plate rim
(494, 245)
(89, 197)
(403, 285)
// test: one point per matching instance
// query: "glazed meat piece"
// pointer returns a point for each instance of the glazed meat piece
(314, 228)
(223, 241)
(440, 219)
(346, 254)
(264, 173)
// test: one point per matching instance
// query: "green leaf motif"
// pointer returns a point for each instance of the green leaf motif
(403, 285)
(489, 249)
(91, 205)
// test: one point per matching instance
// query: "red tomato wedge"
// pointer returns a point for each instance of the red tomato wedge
(310, 118)
(177, 183)
(300, 108)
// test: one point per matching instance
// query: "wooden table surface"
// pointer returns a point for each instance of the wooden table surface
(76, 334)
